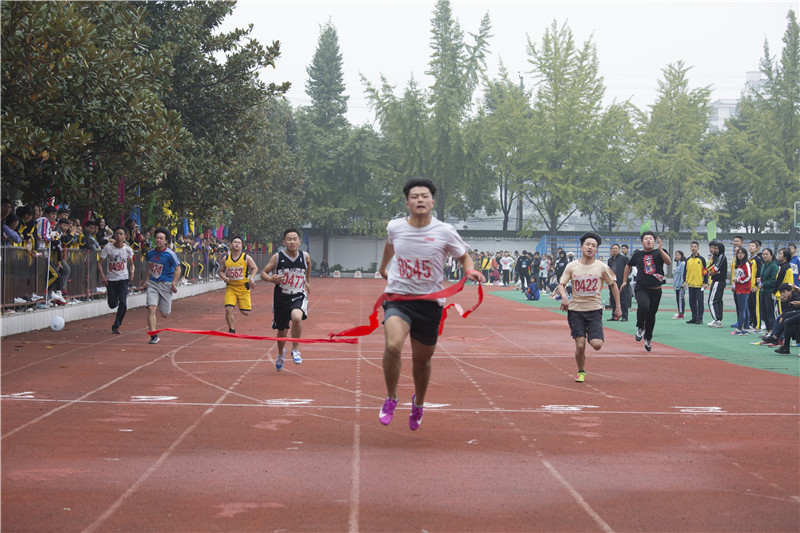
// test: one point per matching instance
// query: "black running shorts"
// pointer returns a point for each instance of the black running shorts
(587, 324)
(423, 316)
(282, 306)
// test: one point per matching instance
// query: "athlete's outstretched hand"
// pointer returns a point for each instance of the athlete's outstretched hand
(475, 275)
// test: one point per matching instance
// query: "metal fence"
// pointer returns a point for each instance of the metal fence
(25, 275)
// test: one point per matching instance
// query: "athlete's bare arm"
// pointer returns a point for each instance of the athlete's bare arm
(308, 272)
(273, 261)
(388, 253)
(625, 276)
(221, 273)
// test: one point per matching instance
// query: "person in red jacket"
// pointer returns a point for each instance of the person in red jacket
(742, 282)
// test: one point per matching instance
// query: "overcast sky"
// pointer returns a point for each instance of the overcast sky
(635, 40)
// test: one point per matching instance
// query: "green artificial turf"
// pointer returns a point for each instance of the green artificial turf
(700, 339)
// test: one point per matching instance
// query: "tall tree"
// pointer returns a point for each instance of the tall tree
(749, 171)
(406, 138)
(505, 123)
(80, 106)
(607, 202)
(215, 87)
(671, 182)
(455, 67)
(781, 100)
(339, 159)
(265, 205)
(325, 83)
(430, 131)
(566, 113)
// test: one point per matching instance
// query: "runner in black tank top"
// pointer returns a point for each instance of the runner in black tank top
(289, 271)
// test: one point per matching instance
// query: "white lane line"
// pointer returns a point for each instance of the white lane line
(578, 498)
(438, 407)
(164, 456)
(78, 400)
(355, 470)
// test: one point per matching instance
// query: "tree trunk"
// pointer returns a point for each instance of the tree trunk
(519, 213)
(325, 243)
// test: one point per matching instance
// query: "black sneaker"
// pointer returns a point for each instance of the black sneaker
(783, 350)
(154, 339)
(623, 319)
(692, 321)
(231, 330)
(647, 345)
(115, 329)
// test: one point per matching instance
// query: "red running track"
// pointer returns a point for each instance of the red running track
(105, 432)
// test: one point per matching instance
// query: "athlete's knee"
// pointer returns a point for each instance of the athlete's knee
(596, 343)
(393, 350)
(245, 312)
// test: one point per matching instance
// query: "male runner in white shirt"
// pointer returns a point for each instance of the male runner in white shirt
(413, 261)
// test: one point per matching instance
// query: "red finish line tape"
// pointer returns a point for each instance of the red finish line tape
(251, 337)
(358, 331)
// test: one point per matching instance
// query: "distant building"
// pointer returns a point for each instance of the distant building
(721, 110)
(755, 79)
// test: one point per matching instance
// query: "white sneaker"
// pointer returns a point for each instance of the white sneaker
(56, 296)
(715, 324)
(35, 297)
(19, 300)
(296, 357)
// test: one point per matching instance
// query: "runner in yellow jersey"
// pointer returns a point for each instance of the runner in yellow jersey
(237, 271)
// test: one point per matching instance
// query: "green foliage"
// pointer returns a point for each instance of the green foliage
(215, 100)
(430, 132)
(670, 180)
(101, 94)
(325, 84)
(780, 105)
(504, 125)
(80, 108)
(340, 160)
(607, 201)
(267, 181)
(564, 130)
(456, 67)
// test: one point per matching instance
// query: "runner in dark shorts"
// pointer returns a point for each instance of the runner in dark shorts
(423, 316)
(585, 309)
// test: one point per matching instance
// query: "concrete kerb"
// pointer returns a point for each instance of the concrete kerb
(22, 322)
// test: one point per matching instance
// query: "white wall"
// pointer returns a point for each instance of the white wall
(355, 252)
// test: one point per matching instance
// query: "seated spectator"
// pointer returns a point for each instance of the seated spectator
(495, 278)
(788, 323)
